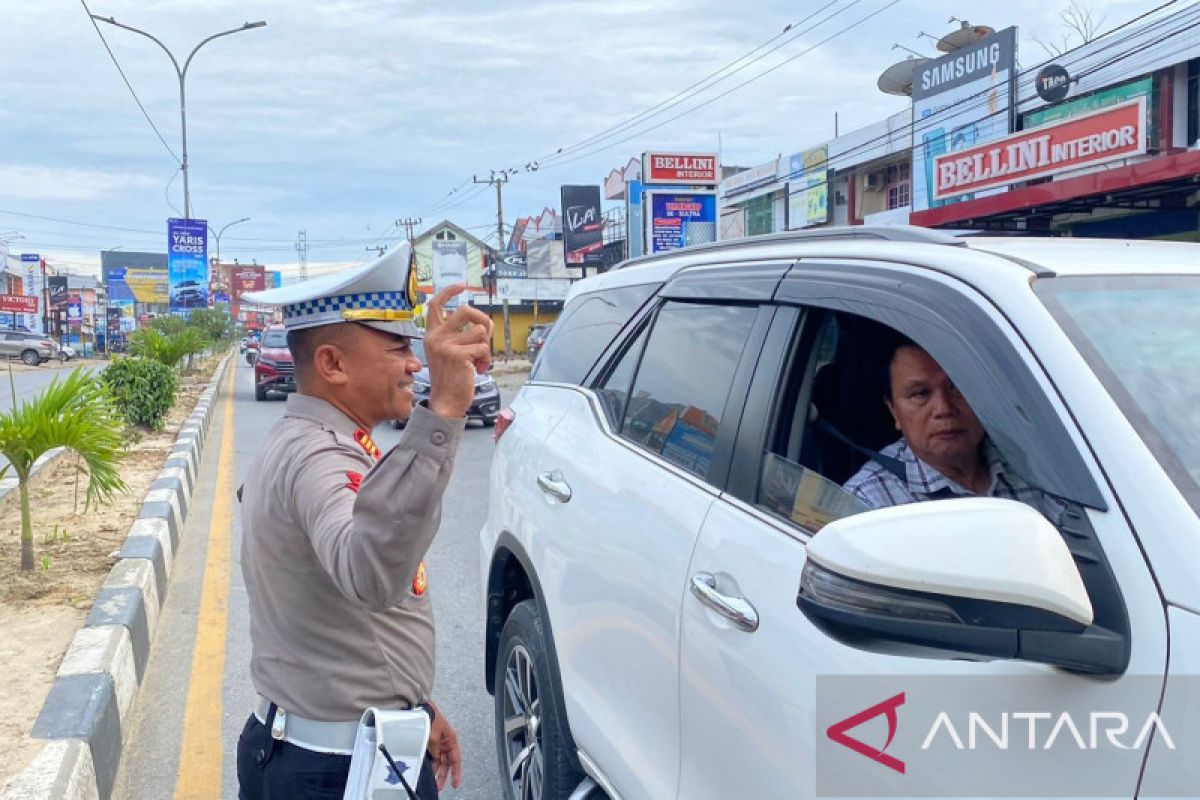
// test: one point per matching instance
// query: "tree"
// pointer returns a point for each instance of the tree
(1080, 22)
(214, 323)
(169, 350)
(75, 413)
(168, 325)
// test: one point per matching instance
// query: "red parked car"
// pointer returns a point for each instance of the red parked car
(275, 370)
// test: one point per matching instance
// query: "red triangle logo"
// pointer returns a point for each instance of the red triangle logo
(837, 732)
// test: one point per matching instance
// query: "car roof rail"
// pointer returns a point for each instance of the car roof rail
(890, 233)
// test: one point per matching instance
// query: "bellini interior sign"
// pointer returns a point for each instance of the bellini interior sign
(1114, 133)
(689, 169)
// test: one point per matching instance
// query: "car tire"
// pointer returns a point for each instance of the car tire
(260, 393)
(488, 421)
(548, 769)
(30, 358)
(63, 357)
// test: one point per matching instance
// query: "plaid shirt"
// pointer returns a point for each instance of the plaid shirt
(880, 488)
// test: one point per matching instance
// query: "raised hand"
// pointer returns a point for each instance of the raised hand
(457, 347)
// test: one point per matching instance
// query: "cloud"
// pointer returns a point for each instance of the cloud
(349, 112)
(27, 182)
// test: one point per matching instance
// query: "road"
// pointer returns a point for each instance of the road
(28, 382)
(156, 762)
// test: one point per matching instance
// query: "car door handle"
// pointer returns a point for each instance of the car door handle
(737, 610)
(552, 483)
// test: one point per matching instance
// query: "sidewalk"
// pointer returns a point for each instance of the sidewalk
(510, 366)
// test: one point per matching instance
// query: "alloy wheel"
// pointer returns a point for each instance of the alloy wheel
(522, 726)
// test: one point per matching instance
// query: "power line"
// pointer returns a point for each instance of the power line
(377, 242)
(73, 222)
(160, 233)
(128, 85)
(561, 152)
(661, 106)
(857, 148)
(1194, 80)
(692, 91)
(445, 197)
(167, 190)
(979, 99)
(729, 91)
(471, 194)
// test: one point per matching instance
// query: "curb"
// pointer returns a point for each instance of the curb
(85, 717)
(9, 484)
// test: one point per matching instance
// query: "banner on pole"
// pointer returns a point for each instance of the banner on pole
(187, 264)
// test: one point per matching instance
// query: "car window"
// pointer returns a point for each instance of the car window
(678, 396)
(1148, 365)
(614, 390)
(588, 324)
(791, 483)
(274, 339)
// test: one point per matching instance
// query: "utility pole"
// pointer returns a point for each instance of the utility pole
(302, 251)
(498, 181)
(378, 249)
(45, 300)
(408, 223)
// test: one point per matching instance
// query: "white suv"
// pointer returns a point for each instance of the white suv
(661, 611)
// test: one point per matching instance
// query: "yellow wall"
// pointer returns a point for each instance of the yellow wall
(519, 323)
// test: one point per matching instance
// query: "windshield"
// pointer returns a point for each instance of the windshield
(1141, 336)
(274, 339)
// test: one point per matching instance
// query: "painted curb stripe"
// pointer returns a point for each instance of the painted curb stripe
(102, 670)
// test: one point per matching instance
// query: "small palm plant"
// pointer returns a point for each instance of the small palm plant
(169, 349)
(75, 413)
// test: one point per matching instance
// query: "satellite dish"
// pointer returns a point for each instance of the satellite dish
(898, 78)
(967, 34)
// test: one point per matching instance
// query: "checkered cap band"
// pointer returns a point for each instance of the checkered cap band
(330, 308)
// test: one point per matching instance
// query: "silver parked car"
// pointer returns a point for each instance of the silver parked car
(31, 348)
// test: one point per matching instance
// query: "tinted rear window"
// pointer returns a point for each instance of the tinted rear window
(587, 325)
(275, 339)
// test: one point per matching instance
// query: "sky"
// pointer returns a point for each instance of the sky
(344, 116)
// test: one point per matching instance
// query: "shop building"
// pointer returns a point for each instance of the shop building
(1103, 143)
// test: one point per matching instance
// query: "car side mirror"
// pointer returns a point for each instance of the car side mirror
(975, 576)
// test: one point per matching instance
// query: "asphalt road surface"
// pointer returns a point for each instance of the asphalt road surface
(29, 382)
(201, 649)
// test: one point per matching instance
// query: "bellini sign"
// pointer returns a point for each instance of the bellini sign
(1115, 133)
(690, 169)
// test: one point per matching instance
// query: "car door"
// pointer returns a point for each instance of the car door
(18, 343)
(628, 476)
(10, 344)
(759, 680)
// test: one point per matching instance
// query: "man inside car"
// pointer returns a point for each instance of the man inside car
(943, 451)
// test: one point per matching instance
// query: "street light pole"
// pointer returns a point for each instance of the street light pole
(182, 73)
(217, 234)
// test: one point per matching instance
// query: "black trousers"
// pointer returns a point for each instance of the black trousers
(269, 769)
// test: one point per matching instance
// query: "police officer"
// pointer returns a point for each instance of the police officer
(335, 532)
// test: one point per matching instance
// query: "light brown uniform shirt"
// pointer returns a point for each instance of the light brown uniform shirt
(332, 542)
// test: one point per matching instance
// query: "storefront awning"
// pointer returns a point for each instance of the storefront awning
(1158, 183)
